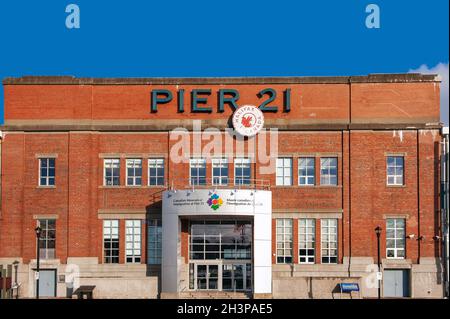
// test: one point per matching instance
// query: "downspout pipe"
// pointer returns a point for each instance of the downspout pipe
(1, 173)
(445, 206)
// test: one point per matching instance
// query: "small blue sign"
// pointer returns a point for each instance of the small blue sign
(349, 287)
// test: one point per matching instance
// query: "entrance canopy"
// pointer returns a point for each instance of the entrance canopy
(210, 203)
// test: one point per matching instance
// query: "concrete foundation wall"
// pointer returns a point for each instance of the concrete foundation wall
(321, 281)
(111, 280)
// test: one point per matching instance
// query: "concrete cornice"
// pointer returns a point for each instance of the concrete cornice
(158, 125)
(371, 78)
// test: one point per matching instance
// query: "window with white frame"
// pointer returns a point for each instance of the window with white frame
(47, 241)
(198, 171)
(328, 171)
(156, 171)
(306, 240)
(220, 171)
(395, 170)
(111, 171)
(134, 172)
(46, 171)
(284, 240)
(306, 171)
(111, 241)
(133, 241)
(329, 247)
(154, 242)
(242, 171)
(284, 171)
(395, 238)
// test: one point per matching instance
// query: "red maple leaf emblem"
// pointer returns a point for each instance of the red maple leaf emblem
(246, 121)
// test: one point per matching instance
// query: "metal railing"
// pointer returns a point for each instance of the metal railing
(218, 183)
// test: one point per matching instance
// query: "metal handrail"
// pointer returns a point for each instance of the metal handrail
(185, 183)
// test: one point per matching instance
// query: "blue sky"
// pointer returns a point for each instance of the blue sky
(222, 38)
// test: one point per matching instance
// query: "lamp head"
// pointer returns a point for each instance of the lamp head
(38, 231)
(378, 230)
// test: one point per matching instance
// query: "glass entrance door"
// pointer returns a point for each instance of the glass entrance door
(237, 277)
(223, 276)
(207, 277)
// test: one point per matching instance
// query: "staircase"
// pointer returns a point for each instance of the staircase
(214, 295)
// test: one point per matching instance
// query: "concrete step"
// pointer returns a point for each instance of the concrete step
(214, 295)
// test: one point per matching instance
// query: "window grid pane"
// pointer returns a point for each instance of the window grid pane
(220, 171)
(134, 172)
(47, 241)
(395, 238)
(284, 171)
(306, 241)
(242, 171)
(154, 242)
(46, 171)
(220, 240)
(395, 170)
(197, 171)
(156, 172)
(133, 241)
(306, 171)
(111, 171)
(328, 171)
(111, 241)
(329, 241)
(284, 240)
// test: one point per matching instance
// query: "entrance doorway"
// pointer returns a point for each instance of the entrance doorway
(220, 255)
(47, 283)
(207, 277)
(222, 276)
(396, 283)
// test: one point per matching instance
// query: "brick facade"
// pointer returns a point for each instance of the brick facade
(358, 120)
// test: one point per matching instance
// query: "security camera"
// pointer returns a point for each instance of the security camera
(436, 237)
(411, 236)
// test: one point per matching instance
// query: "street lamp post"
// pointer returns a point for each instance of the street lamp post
(38, 237)
(16, 266)
(378, 232)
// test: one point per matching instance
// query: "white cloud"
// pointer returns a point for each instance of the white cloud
(442, 70)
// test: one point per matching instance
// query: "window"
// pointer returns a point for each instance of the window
(329, 241)
(306, 171)
(220, 239)
(154, 242)
(111, 241)
(134, 172)
(220, 171)
(156, 171)
(48, 238)
(242, 171)
(395, 170)
(112, 171)
(395, 238)
(46, 172)
(198, 171)
(133, 241)
(328, 171)
(284, 241)
(284, 171)
(306, 240)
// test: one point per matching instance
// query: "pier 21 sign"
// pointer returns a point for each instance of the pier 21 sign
(199, 100)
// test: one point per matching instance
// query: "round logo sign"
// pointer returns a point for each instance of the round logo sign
(248, 120)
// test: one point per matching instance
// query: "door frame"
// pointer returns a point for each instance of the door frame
(219, 263)
(408, 276)
(55, 271)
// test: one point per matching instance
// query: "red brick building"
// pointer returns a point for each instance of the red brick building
(91, 161)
